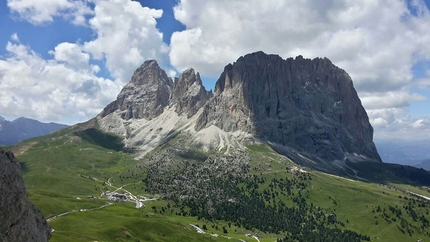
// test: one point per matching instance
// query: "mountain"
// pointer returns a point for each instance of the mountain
(21, 219)
(405, 152)
(12, 132)
(425, 164)
(306, 109)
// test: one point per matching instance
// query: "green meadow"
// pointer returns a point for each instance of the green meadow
(68, 171)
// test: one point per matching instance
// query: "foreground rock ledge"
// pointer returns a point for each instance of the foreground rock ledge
(20, 220)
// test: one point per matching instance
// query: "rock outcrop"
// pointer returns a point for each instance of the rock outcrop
(20, 219)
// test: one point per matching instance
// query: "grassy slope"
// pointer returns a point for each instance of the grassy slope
(57, 171)
(354, 202)
(58, 167)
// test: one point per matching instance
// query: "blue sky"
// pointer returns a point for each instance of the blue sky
(64, 60)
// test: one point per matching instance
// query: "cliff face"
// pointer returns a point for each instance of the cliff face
(308, 105)
(306, 109)
(20, 219)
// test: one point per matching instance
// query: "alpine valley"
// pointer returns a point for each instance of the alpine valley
(281, 150)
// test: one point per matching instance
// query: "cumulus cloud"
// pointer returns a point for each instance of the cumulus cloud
(44, 11)
(71, 54)
(67, 87)
(376, 42)
(396, 99)
(396, 123)
(403, 129)
(53, 89)
(126, 36)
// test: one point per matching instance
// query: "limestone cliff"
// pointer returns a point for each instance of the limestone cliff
(308, 105)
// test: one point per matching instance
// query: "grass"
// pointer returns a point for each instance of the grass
(354, 202)
(63, 169)
(58, 175)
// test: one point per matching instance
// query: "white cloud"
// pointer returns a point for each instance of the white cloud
(15, 37)
(395, 99)
(403, 129)
(126, 36)
(420, 123)
(66, 87)
(71, 54)
(396, 123)
(126, 33)
(376, 42)
(52, 89)
(44, 11)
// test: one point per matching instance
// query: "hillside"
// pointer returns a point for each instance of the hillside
(68, 172)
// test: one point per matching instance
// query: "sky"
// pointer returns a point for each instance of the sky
(65, 60)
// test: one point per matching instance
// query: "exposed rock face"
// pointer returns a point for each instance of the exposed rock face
(20, 219)
(308, 105)
(188, 94)
(151, 90)
(306, 109)
(145, 96)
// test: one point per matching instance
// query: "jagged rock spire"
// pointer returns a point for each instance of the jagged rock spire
(189, 94)
(145, 96)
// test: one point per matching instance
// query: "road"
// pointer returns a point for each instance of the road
(75, 211)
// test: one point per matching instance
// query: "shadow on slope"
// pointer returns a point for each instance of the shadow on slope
(97, 137)
(395, 173)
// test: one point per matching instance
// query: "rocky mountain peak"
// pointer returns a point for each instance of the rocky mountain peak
(150, 91)
(150, 73)
(189, 94)
(145, 96)
(20, 219)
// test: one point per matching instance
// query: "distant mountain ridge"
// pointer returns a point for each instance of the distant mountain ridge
(404, 152)
(306, 109)
(12, 132)
(425, 164)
